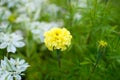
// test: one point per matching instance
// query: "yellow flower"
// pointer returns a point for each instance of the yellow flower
(12, 18)
(102, 43)
(57, 38)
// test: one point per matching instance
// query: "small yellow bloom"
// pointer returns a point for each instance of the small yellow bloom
(102, 43)
(57, 38)
(12, 18)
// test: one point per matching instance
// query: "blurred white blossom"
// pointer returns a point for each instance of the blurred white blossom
(4, 13)
(77, 16)
(79, 3)
(22, 18)
(82, 3)
(13, 3)
(30, 10)
(12, 69)
(11, 41)
(52, 9)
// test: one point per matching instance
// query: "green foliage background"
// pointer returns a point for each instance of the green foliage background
(100, 21)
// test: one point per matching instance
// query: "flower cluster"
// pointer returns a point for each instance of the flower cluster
(57, 38)
(12, 69)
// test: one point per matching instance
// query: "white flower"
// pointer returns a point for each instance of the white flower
(77, 16)
(34, 4)
(13, 68)
(22, 18)
(52, 9)
(79, 3)
(13, 3)
(11, 41)
(29, 10)
(4, 13)
(82, 3)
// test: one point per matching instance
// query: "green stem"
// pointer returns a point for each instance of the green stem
(70, 9)
(92, 19)
(15, 79)
(58, 57)
(27, 42)
(100, 54)
(97, 60)
(7, 55)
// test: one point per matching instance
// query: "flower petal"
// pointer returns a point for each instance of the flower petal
(11, 48)
(3, 45)
(19, 44)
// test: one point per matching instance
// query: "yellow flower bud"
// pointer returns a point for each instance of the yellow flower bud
(102, 43)
(12, 18)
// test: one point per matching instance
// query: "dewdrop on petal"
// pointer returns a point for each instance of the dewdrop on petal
(57, 38)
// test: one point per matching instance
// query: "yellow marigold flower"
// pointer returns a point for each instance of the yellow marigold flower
(102, 43)
(57, 38)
